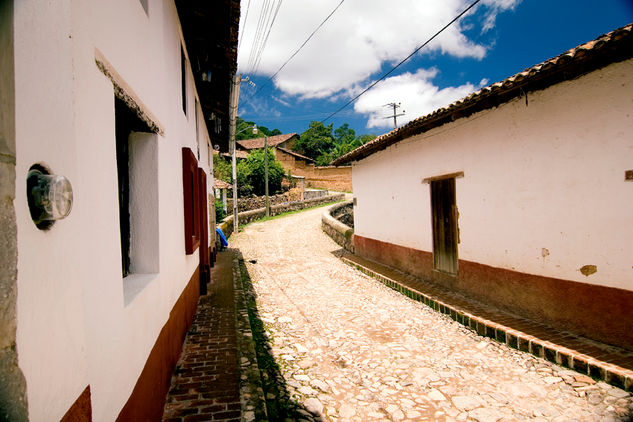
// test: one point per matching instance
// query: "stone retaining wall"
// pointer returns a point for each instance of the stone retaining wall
(256, 202)
(246, 217)
(339, 232)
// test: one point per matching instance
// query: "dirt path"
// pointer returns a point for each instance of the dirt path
(349, 348)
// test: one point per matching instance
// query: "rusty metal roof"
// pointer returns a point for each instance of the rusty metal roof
(609, 48)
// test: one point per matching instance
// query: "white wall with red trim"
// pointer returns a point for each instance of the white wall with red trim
(75, 327)
(543, 191)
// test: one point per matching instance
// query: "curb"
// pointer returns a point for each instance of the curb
(253, 403)
(342, 234)
(567, 358)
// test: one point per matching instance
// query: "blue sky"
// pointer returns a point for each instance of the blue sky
(365, 38)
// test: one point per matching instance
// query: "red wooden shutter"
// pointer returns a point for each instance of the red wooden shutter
(191, 196)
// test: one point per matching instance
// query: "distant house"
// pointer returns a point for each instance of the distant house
(239, 155)
(283, 141)
(291, 160)
(220, 187)
(519, 194)
(338, 179)
(117, 105)
(281, 146)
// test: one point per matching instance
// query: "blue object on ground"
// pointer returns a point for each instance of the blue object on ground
(223, 241)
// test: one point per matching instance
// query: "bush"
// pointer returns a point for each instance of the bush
(219, 210)
(222, 169)
(250, 174)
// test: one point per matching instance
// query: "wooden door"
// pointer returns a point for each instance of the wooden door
(445, 230)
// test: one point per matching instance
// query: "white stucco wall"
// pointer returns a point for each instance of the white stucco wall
(75, 325)
(549, 175)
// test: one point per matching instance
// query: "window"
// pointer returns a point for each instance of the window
(195, 111)
(137, 171)
(183, 79)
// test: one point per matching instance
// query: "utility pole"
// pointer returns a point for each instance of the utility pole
(395, 107)
(233, 99)
(266, 174)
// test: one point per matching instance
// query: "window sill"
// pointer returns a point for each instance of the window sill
(134, 284)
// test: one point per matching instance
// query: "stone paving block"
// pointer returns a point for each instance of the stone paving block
(524, 344)
(500, 335)
(596, 371)
(383, 356)
(512, 341)
(615, 378)
(579, 364)
(536, 348)
(564, 360)
(550, 354)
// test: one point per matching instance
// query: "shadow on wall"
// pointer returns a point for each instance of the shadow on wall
(281, 404)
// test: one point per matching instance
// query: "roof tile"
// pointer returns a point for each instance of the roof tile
(258, 143)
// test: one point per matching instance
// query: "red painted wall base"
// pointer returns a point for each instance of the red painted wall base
(81, 410)
(597, 312)
(148, 397)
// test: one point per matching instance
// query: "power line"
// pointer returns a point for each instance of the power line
(267, 35)
(264, 15)
(298, 49)
(403, 61)
(248, 7)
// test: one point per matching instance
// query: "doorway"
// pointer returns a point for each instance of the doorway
(445, 229)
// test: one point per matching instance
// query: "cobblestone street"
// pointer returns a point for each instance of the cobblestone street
(349, 348)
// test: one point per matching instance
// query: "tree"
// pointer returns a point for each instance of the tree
(222, 169)
(243, 172)
(251, 174)
(244, 130)
(321, 145)
(315, 141)
(344, 134)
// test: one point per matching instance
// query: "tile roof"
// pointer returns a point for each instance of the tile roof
(238, 154)
(258, 143)
(610, 48)
(303, 157)
(221, 184)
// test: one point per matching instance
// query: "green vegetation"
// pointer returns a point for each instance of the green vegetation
(250, 174)
(324, 146)
(219, 210)
(222, 169)
(244, 130)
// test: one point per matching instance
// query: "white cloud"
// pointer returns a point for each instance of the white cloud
(495, 7)
(415, 91)
(257, 105)
(280, 101)
(358, 41)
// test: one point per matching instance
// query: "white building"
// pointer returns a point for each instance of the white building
(519, 195)
(117, 97)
